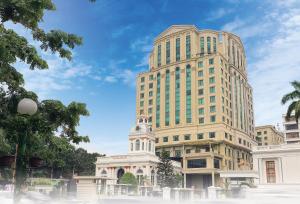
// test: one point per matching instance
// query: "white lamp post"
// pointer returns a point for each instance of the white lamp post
(25, 107)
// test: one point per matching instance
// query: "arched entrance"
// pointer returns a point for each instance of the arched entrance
(120, 173)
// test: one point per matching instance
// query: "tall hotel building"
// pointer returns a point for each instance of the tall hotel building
(197, 97)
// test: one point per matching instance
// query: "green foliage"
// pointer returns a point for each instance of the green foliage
(165, 171)
(294, 98)
(129, 178)
(52, 130)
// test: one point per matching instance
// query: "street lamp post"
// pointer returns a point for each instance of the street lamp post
(26, 107)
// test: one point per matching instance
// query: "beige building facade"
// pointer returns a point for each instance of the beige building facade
(268, 135)
(291, 130)
(197, 97)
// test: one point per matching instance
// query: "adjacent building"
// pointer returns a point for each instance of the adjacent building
(291, 129)
(277, 164)
(140, 160)
(199, 102)
(268, 135)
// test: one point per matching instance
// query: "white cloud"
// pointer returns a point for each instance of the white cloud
(110, 79)
(142, 44)
(120, 31)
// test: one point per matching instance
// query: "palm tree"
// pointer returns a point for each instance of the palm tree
(294, 97)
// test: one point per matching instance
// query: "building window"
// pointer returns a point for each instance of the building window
(200, 101)
(215, 44)
(159, 55)
(200, 64)
(177, 153)
(212, 99)
(142, 87)
(201, 120)
(157, 122)
(150, 93)
(200, 82)
(201, 111)
(151, 77)
(149, 146)
(188, 46)
(216, 163)
(168, 52)
(212, 109)
(211, 80)
(208, 45)
(150, 85)
(188, 151)
(141, 103)
(196, 163)
(167, 98)
(156, 140)
(165, 139)
(212, 89)
(211, 61)
(176, 138)
(188, 95)
(143, 79)
(201, 46)
(270, 172)
(200, 92)
(187, 137)
(211, 70)
(177, 49)
(177, 96)
(137, 145)
(150, 102)
(200, 136)
(212, 134)
(200, 73)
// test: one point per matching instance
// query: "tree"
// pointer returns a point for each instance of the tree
(294, 98)
(53, 116)
(129, 178)
(165, 171)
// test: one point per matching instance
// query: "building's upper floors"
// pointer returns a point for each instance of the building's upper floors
(291, 129)
(180, 43)
(268, 135)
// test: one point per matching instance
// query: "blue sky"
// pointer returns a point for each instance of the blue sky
(118, 37)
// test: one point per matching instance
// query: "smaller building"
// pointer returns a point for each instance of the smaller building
(277, 164)
(141, 160)
(291, 130)
(268, 135)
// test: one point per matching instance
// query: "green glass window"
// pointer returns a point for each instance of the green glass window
(150, 85)
(200, 82)
(177, 153)
(151, 77)
(211, 61)
(188, 95)
(211, 70)
(212, 89)
(159, 55)
(158, 101)
(141, 103)
(200, 73)
(142, 79)
(200, 101)
(167, 98)
(150, 93)
(200, 64)
(200, 136)
(177, 95)
(188, 46)
(212, 99)
(208, 45)
(212, 80)
(201, 46)
(168, 52)
(215, 44)
(177, 49)
(201, 111)
(212, 109)
(142, 87)
(212, 118)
